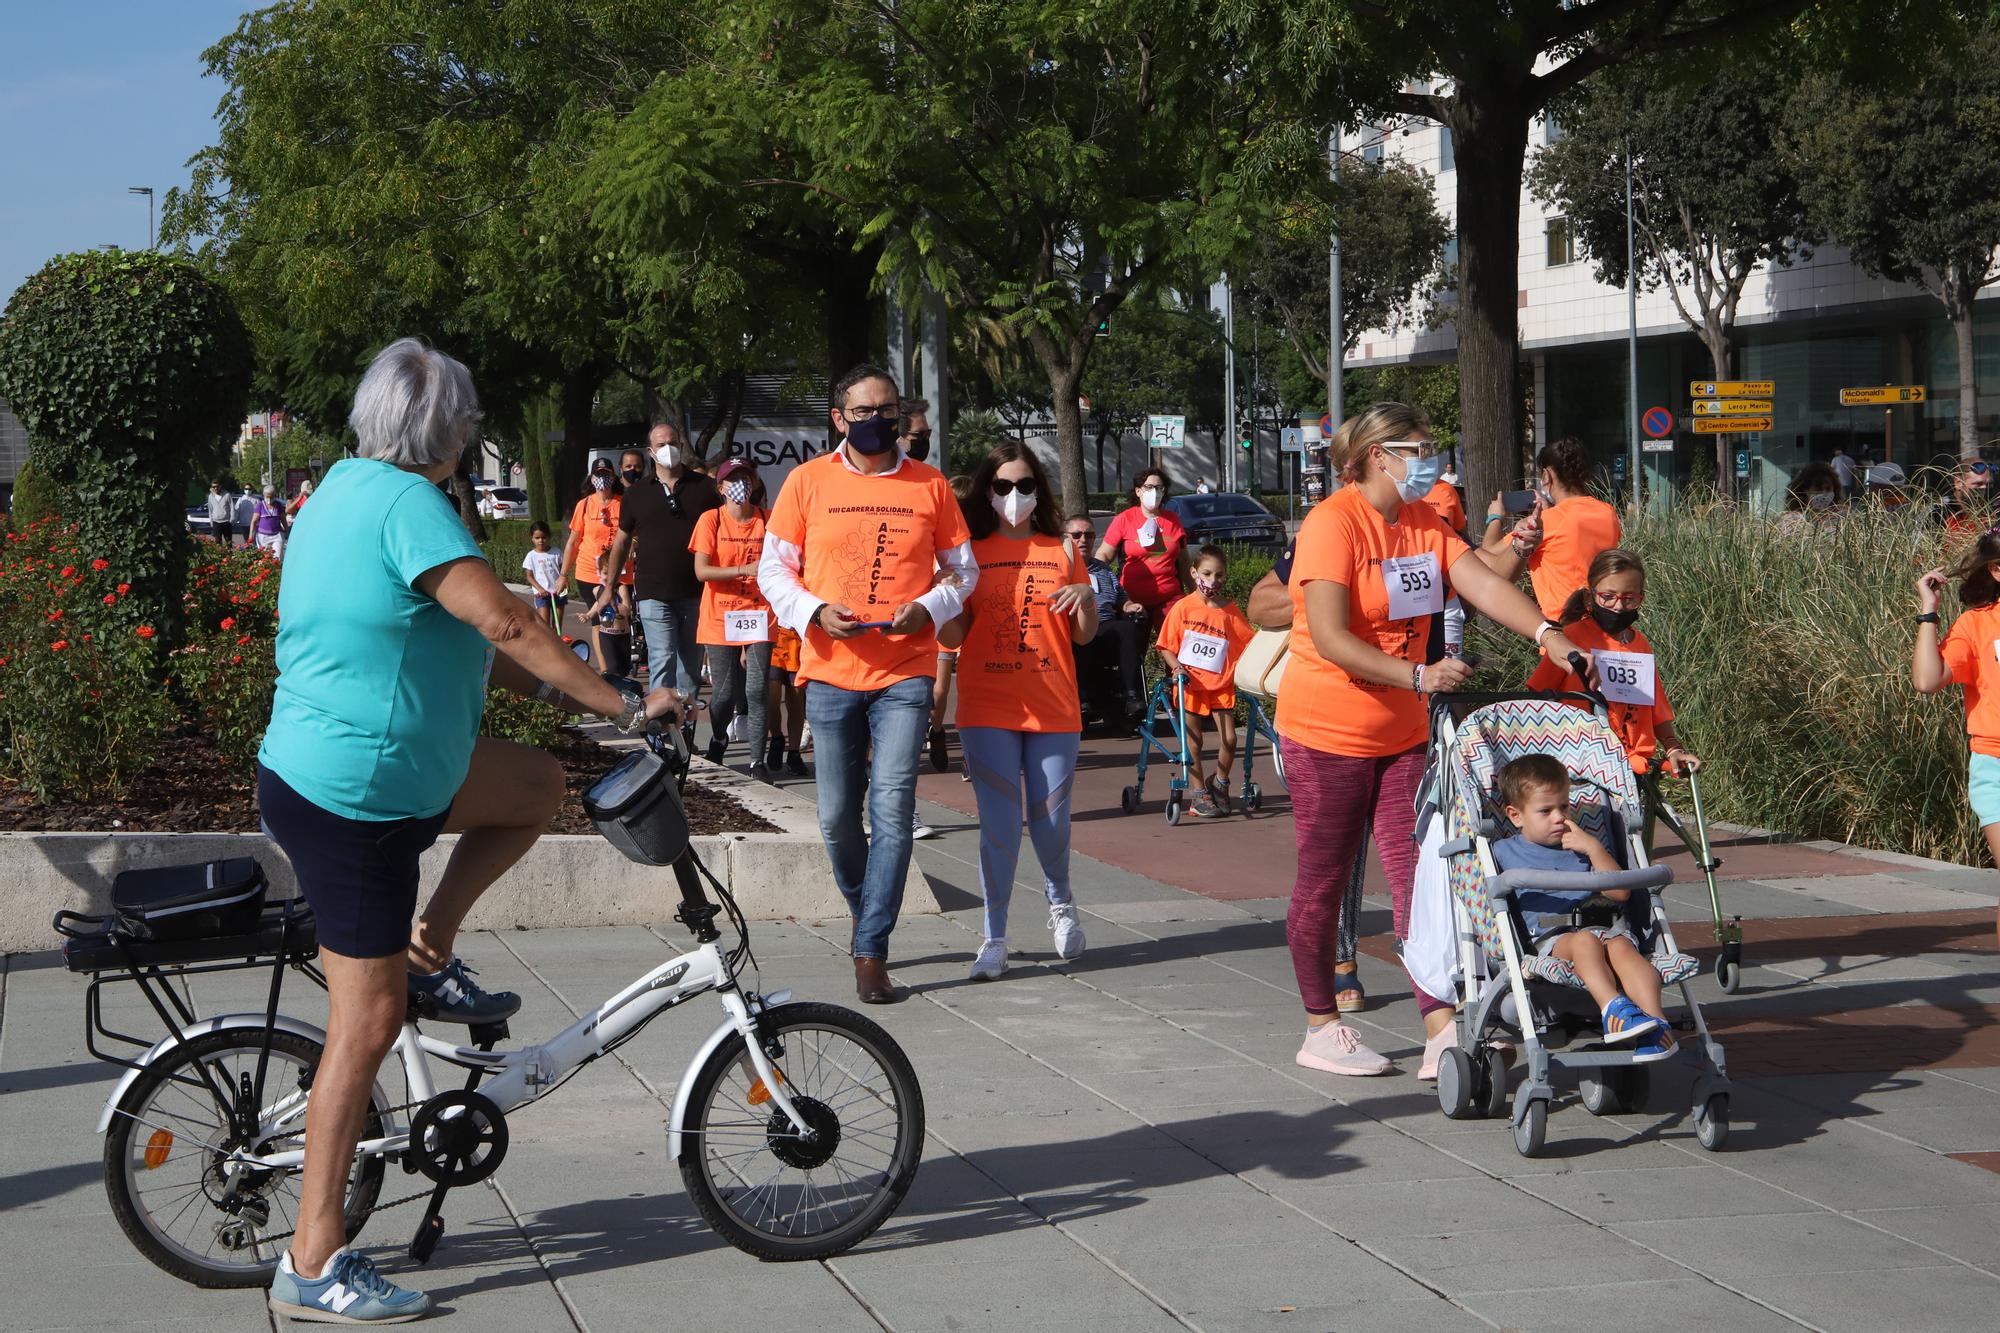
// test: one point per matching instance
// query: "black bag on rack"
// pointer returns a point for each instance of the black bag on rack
(191, 902)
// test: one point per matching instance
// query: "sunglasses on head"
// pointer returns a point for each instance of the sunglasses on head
(1002, 486)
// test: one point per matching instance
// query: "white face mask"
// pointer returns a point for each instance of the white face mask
(1149, 498)
(668, 455)
(736, 492)
(1013, 508)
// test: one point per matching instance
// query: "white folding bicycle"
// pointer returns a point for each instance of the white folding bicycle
(797, 1127)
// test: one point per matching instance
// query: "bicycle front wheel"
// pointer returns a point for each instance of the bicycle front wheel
(775, 1194)
(166, 1157)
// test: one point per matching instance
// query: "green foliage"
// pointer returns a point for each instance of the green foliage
(78, 708)
(509, 717)
(125, 368)
(36, 496)
(1787, 659)
(1432, 389)
(1159, 357)
(507, 543)
(296, 447)
(973, 436)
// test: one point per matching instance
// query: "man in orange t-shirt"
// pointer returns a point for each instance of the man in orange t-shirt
(852, 554)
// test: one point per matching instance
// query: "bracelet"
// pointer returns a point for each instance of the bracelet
(543, 691)
(1928, 618)
(632, 717)
(1417, 678)
(1548, 627)
(1494, 518)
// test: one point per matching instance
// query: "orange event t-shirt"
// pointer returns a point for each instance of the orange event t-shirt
(595, 521)
(1573, 534)
(871, 544)
(1345, 540)
(1207, 689)
(1972, 654)
(1017, 669)
(1444, 502)
(1637, 725)
(728, 543)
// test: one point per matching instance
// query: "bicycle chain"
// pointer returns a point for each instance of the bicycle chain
(378, 1208)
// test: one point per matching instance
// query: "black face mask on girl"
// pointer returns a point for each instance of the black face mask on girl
(1613, 622)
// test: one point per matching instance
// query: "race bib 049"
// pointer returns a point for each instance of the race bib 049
(1415, 585)
(1625, 678)
(1206, 651)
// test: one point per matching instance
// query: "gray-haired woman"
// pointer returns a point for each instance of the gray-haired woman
(391, 625)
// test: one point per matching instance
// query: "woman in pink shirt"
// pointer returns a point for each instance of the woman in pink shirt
(1152, 546)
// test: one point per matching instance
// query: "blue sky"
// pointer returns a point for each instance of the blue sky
(95, 96)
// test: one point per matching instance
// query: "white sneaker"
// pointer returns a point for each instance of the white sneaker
(919, 830)
(1335, 1049)
(991, 963)
(1068, 930)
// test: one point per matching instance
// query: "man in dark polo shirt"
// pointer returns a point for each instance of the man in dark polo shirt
(659, 515)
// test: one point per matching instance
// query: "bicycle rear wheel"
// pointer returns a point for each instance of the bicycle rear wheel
(171, 1134)
(773, 1194)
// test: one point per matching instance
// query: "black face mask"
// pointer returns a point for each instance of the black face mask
(1613, 622)
(632, 476)
(920, 445)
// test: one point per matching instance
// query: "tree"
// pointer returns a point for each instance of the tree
(1710, 199)
(1159, 356)
(125, 368)
(1483, 72)
(1037, 163)
(1891, 170)
(1392, 240)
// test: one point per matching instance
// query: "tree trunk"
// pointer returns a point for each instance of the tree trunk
(1960, 312)
(850, 315)
(1490, 135)
(571, 461)
(729, 408)
(1061, 365)
(467, 499)
(1716, 339)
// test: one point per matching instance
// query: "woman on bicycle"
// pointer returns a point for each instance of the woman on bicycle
(373, 751)
(1019, 719)
(1371, 573)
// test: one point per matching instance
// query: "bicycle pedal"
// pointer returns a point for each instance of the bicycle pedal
(424, 1244)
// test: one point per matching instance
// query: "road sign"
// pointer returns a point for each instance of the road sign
(1732, 388)
(1618, 467)
(1729, 425)
(1291, 440)
(1732, 407)
(1657, 447)
(1658, 423)
(1326, 425)
(1166, 432)
(1888, 393)
(1742, 462)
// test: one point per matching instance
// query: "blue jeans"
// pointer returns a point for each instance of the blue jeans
(1003, 764)
(871, 739)
(670, 629)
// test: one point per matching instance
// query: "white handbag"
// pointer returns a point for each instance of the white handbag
(1261, 668)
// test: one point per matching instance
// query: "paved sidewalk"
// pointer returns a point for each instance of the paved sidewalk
(1124, 1143)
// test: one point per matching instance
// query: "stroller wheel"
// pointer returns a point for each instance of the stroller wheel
(1729, 975)
(1493, 1083)
(1596, 1094)
(1533, 1127)
(1129, 800)
(1173, 809)
(1458, 1089)
(1711, 1122)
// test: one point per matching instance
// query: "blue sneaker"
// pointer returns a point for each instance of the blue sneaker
(350, 1291)
(1624, 1020)
(451, 996)
(1658, 1046)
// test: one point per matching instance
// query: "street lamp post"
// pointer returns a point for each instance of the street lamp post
(1336, 337)
(146, 190)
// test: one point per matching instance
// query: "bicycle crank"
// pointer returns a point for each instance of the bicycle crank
(457, 1138)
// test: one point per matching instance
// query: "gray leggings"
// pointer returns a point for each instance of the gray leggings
(737, 677)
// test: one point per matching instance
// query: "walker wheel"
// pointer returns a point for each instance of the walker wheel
(1129, 799)
(1173, 810)
(1729, 975)
(1253, 797)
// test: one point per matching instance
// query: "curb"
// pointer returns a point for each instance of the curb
(1748, 833)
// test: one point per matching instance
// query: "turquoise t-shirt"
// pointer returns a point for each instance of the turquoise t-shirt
(380, 689)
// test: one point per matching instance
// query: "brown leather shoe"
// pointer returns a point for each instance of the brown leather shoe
(871, 982)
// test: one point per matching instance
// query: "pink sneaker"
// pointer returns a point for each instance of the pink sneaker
(1335, 1049)
(1434, 1051)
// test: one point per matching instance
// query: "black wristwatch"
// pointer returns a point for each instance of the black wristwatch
(1928, 618)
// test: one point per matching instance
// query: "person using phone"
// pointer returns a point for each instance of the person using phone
(852, 553)
(1966, 657)
(1564, 531)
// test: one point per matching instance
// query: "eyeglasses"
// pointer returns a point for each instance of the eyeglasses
(869, 411)
(1424, 448)
(1002, 486)
(1619, 600)
(1081, 534)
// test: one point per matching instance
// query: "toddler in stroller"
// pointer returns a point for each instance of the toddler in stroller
(1476, 932)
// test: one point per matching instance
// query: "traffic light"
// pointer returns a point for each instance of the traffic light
(1245, 437)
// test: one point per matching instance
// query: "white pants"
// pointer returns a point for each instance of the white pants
(274, 542)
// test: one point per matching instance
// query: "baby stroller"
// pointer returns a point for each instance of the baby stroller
(1507, 993)
(1167, 707)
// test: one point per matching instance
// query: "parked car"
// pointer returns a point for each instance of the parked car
(1228, 520)
(503, 502)
(197, 520)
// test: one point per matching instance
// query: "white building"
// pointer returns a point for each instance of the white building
(1813, 329)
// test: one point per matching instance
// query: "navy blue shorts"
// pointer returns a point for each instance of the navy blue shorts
(358, 875)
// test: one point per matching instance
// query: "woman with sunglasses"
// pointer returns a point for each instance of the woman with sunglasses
(1019, 719)
(593, 524)
(1602, 618)
(1371, 572)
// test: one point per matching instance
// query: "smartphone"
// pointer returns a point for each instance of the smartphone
(873, 624)
(1517, 502)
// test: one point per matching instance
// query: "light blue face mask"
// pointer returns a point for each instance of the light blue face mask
(1419, 475)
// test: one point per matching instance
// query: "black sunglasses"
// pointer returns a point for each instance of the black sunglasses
(1002, 486)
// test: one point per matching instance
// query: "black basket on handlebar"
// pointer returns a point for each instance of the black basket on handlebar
(637, 806)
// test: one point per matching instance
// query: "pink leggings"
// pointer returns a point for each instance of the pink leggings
(1336, 801)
